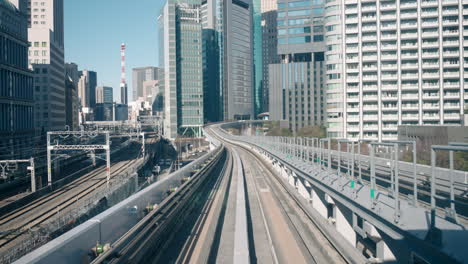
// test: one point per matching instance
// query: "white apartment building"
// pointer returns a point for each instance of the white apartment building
(404, 64)
(46, 58)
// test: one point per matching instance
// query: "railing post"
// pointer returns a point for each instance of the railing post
(397, 190)
(338, 168)
(452, 192)
(329, 154)
(372, 176)
(433, 190)
(415, 179)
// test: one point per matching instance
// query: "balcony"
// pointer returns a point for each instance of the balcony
(409, 66)
(451, 74)
(429, 34)
(451, 53)
(451, 106)
(389, 98)
(370, 127)
(389, 127)
(408, 55)
(409, 87)
(431, 116)
(430, 44)
(412, 14)
(369, 69)
(369, 77)
(389, 6)
(370, 98)
(368, 18)
(408, 25)
(430, 14)
(369, 29)
(451, 11)
(388, 57)
(369, 58)
(433, 106)
(389, 87)
(451, 22)
(412, 96)
(369, 37)
(451, 84)
(431, 96)
(387, 107)
(391, 26)
(352, 40)
(430, 75)
(366, 7)
(351, 10)
(450, 32)
(409, 45)
(387, 77)
(388, 66)
(449, 95)
(388, 17)
(409, 35)
(388, 37)
(430, 3)
(409, 5)
(370, 117)
(353, 128)
(452, 116)
(353, 99)
(451, 43)
(430, 86)
(431, 54)
(410, 76)
(389, 117)
(370, 107)
(408, 117)
(410, 106)
(451, 64)
(430, 24)
(368, 88)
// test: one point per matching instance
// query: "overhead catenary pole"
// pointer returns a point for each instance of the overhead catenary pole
(49, 163)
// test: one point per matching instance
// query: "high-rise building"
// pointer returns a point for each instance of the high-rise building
(296, 83)
(270, 55)
(72, 102)
(334, 89)
(257, 56)
(46, 58)
(181, 57)
(87, 88)
(16, 84)
(140, 75)
(404, 65)
(212, 97)
(104, 94)
(238, 68)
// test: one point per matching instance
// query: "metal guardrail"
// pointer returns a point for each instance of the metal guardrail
(320, 155)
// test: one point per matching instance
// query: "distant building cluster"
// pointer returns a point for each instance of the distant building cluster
(360, 69)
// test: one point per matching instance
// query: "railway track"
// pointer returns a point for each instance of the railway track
(151, 236)
(314, 243)
(23, 226)
(16, 225)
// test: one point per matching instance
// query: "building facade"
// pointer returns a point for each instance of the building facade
(270, 55)
(104, 94)
(404, 65)
(296, 84)
(238, 69)
(72, 102)
(87, 88)
(181, 36)
(46, 58)
(16, 84)
(139, 76)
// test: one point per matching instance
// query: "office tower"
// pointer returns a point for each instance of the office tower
(404, 65)
(72, 104)
(334, 88)
(87, 88)
(140, 75)
(212, 97)
(104, 94)
(238, 71)
(181, 57)
(258, 56)
(269, 11)
(16, 84)
(150, 91)
(46, 58)
(296, 83)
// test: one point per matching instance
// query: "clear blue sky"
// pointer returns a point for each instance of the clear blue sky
(94, 30)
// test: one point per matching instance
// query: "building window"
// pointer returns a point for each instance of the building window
(44, 44)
